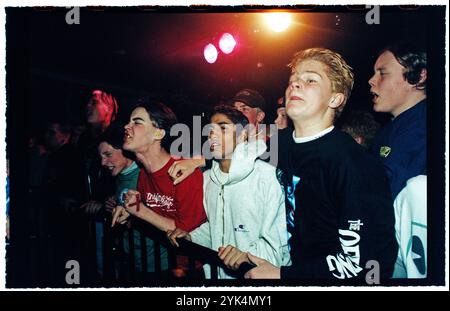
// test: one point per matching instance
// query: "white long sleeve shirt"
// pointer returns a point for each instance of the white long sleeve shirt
(411, 229)
(245, 208)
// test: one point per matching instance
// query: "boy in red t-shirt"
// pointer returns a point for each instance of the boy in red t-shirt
(162, 204)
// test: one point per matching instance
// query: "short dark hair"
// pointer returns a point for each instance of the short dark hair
(162, 117)
(113, 135)
(359, 123)
(232, 113)
(411, 56)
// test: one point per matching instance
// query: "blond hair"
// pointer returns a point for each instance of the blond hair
(337, 69)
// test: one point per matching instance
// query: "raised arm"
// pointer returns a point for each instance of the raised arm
(180, 170)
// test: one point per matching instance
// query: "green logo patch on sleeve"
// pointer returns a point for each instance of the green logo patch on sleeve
(385, 151)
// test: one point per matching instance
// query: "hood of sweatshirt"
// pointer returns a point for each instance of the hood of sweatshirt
(242, 163)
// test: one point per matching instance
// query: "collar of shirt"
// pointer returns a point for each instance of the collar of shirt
(300, 140)
(129, 169)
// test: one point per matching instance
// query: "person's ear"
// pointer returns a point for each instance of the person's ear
(243, 136)
(423, 76)
(359, 140)
(159, 134)
(336, 100)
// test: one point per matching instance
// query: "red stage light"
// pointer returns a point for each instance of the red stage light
(210, 53)
(227, 43)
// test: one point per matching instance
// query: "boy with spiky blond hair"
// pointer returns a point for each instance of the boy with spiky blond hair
(339, 208)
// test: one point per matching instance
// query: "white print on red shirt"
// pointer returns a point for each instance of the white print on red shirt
(162, 201)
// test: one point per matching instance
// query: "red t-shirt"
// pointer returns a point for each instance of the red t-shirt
(183, 202)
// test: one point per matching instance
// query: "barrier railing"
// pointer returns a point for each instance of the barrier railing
(123, 268)
(139, 255)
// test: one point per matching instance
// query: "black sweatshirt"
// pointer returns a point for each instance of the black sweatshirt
(343, 215)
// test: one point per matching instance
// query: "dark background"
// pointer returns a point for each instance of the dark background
(129, 51)
(52, 66)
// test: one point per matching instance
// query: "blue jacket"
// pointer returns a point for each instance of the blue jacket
(402, 146)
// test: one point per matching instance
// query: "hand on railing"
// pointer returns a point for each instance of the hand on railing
(205, 254)
(110, 204)
(232, 257)
(119, 215)
(177, 233)
(132, 200)
(91, 207)
(263, 269)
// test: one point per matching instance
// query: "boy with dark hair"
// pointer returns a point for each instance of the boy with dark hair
(157, 200)
(120, 163)
(164, 205)
(242, 198)
(399, 88)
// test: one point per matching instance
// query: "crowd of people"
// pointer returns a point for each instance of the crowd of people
(336, 199)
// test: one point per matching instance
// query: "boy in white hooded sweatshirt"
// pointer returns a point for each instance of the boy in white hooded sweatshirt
(243, 200)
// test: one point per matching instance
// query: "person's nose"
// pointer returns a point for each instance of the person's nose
(103, 162)
(372, 81)
(295, 84)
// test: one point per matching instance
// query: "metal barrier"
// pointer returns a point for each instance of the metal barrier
(38, 259)
(120, 266)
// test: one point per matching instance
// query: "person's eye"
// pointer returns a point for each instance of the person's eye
(225, 127)
(311, 81)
